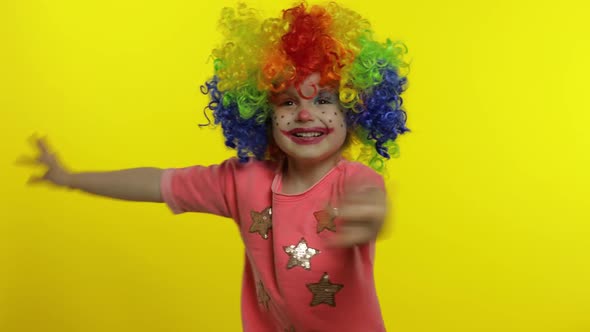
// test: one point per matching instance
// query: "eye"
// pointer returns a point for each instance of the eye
(326, 98)
(287, 102)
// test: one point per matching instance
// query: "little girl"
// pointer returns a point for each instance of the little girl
(291, 94)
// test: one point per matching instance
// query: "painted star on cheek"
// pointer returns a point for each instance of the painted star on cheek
(325, 221)
(261, 222)
(300, 255)
(324, 291)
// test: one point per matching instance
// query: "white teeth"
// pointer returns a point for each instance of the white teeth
(308, 134)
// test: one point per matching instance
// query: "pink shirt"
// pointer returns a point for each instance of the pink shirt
(292, 281)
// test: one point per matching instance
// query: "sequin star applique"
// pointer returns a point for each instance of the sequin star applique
(324, 291)
(262, 295)
(300, 254)
(291, 329)
(261, 222)
(324, 221)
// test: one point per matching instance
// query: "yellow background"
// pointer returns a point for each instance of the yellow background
(490, 228)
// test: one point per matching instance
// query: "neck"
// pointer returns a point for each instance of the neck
(300, 175)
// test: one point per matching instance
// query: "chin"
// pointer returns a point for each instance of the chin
(312, 158)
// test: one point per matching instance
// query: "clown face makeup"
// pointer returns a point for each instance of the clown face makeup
(308, 124)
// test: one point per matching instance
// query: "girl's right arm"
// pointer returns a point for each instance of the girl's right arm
(137, 184)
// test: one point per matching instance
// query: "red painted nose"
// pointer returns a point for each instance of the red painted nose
(304, 115)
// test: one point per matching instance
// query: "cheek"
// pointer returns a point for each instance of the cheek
(335, 119)
(278, 124)
(281, 119)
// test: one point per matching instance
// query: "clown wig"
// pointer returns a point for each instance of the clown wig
(261, 57)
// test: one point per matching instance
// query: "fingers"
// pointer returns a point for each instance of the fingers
(42, 145)
(360, 216)
(45, 156)
(26, 161)
(364, 195)
(36, 179)
(351, 235)
(35, 139)
(360, 213)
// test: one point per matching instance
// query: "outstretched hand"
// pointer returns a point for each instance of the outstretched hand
(55, 172)
(361, 214)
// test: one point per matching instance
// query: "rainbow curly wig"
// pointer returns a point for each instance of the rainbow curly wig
(259, 57)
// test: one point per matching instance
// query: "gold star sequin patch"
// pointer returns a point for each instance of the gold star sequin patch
(324, 291)
(324, 221)
(291, 329)
(262, 295)
(300, 254)
(261, 222)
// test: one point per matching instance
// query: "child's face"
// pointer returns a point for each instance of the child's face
(308, 125)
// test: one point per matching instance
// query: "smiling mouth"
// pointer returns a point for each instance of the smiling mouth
(309, 132)
(307, 135)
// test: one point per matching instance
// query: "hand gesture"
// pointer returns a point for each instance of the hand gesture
(55, 172)
(361, 213)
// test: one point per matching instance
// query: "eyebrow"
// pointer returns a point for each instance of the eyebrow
(327, 93)
(281, 95)
(324, 92)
